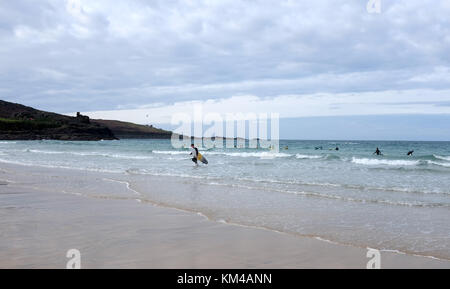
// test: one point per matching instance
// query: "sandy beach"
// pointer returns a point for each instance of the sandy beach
(44, 212)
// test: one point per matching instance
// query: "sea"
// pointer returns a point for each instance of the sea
(392, 202)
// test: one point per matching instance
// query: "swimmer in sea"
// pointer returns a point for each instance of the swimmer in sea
(378, 152)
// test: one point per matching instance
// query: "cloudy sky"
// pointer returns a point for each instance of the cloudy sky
(310, 61)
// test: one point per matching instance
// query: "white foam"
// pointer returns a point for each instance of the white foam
(447, 165)
(131, 157)
(60, 167)
(43, 152)
(376, 162)
(92, 154)
(7, 142)
(445, 158)
(300, 156)
(72, 193)
(239, 154)
(127, 184)
(256, 155)
(171, 152)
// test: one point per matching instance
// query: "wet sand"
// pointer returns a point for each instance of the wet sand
(44, 212)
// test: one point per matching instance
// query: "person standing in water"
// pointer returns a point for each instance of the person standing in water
(378, 152)
(194, 153)
(410, 153)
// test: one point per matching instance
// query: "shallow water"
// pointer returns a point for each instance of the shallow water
(391, 202)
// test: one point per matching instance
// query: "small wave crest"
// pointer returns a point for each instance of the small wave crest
(258, 155)
(171, 152)
(300, 156)
(445, 158)
(237, 154)
(447, 165)
(377, 162)
(93, 154)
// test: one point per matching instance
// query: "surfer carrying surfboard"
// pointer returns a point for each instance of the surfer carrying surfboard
(194, 153)
(197, 156)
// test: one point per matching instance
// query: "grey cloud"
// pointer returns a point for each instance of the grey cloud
(136, 52)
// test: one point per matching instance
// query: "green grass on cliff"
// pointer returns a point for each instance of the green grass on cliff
(7, 124)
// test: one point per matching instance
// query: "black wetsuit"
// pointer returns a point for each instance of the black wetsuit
(194, 159)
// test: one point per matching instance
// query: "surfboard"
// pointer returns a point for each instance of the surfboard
(201, 158)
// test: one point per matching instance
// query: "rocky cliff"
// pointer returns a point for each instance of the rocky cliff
(19, 122)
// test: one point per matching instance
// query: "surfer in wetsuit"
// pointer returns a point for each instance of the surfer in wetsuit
(378, 152)
(410, 153)
(194, 153)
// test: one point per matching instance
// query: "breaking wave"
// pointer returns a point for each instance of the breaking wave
(377, 162)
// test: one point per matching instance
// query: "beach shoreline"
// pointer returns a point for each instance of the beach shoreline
(42, 218)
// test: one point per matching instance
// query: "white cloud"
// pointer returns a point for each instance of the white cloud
(293, 106)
